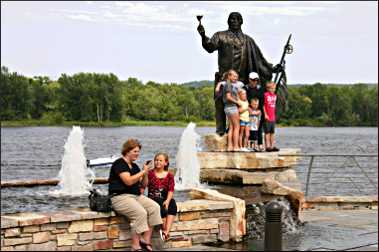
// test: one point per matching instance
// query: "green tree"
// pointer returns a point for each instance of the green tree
(299, 106)
(206, 103)
(16, 96)
(341, 110)
(41, 95)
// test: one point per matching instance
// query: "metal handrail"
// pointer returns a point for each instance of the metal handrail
(352, 156)
(328, 155)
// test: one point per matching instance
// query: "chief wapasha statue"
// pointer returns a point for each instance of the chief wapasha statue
(238, 51)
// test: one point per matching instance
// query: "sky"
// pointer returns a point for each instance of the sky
(334, 42)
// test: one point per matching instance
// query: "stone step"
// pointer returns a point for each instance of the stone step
(178, 242)
(248, 160)
(243, 177)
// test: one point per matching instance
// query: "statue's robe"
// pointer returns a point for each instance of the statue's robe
(238, 51)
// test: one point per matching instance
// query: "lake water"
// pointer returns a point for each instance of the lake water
(36, 153)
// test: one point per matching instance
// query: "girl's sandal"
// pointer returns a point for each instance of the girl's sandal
(162, 235)
(166, 236)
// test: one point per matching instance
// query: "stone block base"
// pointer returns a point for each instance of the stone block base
(198, 221)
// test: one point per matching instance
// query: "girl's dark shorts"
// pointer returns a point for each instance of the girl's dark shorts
(172, 208)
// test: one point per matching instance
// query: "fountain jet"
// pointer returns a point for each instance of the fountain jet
(75, 178)
(187, 163)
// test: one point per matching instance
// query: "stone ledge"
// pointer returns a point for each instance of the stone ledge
(347, 199)
(8, 222)
(341, 202)
(198, 221)
(201, 204)
(26, 219)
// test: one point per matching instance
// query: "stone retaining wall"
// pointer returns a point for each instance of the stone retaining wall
(198, 221)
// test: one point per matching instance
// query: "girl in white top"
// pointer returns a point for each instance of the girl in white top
(243, 108)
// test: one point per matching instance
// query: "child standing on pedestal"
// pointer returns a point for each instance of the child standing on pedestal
(243, 108)
(230, 97)
(269, 111)
(255, 120)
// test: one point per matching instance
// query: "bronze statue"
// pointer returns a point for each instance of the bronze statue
(237, 51)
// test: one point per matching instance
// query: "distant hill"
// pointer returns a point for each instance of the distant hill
(333, 84)
(198, 84)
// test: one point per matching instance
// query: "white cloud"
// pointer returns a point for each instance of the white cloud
(109, 14)
(81, 17)
(179, 16)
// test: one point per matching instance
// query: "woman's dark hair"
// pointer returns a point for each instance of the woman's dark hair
(130, 145)
(165, 158)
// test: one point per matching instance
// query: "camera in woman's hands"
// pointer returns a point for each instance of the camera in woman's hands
(149, 163)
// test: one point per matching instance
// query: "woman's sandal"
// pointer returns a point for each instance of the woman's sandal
(145, 246)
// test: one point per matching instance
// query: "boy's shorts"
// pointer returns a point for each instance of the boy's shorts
(243, 123)
(231, 110)
(269, 127)
(253, 135)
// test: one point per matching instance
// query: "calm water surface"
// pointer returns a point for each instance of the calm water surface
(36, 153)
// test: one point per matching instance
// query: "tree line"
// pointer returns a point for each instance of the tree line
(97, 97)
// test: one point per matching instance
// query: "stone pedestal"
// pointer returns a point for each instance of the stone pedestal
(248, 168)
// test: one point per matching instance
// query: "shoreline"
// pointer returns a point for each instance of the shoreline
(37, 123)
(33, 123)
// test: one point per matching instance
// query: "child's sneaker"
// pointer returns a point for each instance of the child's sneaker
(274, 149)
(244, 149)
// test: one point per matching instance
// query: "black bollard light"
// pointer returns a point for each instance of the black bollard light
(273, 227)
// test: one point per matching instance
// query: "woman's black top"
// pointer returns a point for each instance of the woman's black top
(116, 185)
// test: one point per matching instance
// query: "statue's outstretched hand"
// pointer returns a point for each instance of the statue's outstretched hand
(201, 30)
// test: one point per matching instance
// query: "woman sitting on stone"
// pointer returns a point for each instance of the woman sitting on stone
(161, 189)
(124, 181)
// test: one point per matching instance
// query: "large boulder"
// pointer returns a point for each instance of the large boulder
(238, 221)
(295, 197)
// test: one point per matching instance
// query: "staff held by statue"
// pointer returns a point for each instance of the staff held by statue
(288, 49)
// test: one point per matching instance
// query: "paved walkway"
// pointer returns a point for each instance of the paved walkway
(348, 230)
(200, 248)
